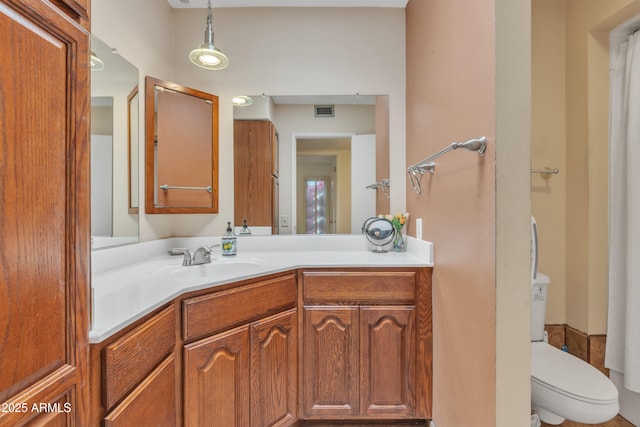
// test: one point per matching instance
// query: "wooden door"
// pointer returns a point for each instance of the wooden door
(274, 370)
(216, 380)
(44, 214)
(330, 351)
(387, 360)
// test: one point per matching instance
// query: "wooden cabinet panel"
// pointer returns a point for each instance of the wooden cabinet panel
(126, 365)
(274, 370)
(76, 8)
(330, 383)
(44, 224)
(152, 403)
(387, 361)
(359, 287)
(216, 381)
(275, 151)
(218, 311)
(52, 414)
(255, 163)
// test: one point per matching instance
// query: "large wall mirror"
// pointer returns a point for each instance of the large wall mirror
(114, 143)
(181, 167)
(333, 156)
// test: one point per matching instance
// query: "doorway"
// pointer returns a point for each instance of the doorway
(323, 185)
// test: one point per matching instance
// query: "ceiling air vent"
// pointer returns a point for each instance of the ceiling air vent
(324, 110)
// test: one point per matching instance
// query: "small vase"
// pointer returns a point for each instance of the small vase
(399, 244)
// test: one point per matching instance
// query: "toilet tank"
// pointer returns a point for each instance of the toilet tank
(538, 306)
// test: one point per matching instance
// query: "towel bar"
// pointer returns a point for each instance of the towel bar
(166, 187)
(427, 165)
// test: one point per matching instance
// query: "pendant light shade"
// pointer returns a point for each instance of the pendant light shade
(95, 62)
(242, 101)
(207, 55)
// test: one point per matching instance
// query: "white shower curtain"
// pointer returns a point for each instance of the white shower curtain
(623, 329)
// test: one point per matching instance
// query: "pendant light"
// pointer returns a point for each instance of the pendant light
(207, 55)
(242, 101)
(95, 62)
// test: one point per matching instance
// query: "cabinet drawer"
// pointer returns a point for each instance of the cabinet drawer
(152, 403)
(208, 314)
(128, 360)
(367, 287)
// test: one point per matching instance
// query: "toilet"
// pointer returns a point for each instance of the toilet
(562, 385)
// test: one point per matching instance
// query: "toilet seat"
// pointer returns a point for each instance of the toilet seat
(566, 374)
(565, 387)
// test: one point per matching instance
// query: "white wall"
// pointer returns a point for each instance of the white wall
(102, 184)
(363, 173)
(142, 32)
(297, 120)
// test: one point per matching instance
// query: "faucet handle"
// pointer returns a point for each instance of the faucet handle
(181, 251)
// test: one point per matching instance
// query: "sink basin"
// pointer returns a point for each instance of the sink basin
(217, 268)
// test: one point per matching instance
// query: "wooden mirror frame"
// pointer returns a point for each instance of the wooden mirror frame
(133, 168)
(150, 126)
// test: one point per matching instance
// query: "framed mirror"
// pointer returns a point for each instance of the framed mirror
(181, 148)
(114, 148)
(333, 160)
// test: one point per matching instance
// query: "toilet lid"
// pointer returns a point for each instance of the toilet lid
(568, 375)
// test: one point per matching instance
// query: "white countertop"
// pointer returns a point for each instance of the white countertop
(129, 282)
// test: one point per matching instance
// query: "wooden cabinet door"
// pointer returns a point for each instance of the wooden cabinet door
(330, 380)
(152, 403)
(216, 380)
(44, 219)
(274, 370)
(387, 361)
(253, 169)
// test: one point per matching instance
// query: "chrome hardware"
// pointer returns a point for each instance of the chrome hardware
(384, 184)
(427, 165)
(182, 251)
(546, 172)
(202, 255)
(166, 187)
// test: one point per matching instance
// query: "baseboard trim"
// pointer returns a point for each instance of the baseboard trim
(589, 348)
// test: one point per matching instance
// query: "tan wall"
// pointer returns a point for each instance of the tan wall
(382, 148)
(453, 63)
(571, 36)
(548, 148)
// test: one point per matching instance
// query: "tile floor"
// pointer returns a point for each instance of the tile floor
(616, 422)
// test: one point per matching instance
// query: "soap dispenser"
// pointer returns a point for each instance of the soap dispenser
(245, 229)
(229, 242)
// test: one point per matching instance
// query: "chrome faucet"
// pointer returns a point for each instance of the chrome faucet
(182, 251)
(202, 255)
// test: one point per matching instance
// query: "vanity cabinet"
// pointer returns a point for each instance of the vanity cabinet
(256, 172)
(241, 370)
(362, 353)
(44, 218)
(320, 344)
(138, 373)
